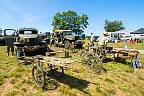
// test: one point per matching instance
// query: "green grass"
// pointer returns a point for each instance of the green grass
(120, 79)
(138, 46)
(18, 72)
(1, 80)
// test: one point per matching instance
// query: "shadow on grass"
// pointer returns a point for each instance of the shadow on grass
(122, 60)
(73, 82)
(118, 60)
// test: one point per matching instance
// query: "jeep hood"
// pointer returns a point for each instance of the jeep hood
(28, 36)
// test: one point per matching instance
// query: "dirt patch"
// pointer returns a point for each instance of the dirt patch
(7, 86)
(119, 93)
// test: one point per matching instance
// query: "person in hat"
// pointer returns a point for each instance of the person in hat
(102, 44)
(92, 37)
(92, 40)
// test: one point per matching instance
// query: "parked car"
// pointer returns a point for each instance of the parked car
(29, 41)
(2, 41)
(67, 37)
(9, 36)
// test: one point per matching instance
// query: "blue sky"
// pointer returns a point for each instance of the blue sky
(39, 13)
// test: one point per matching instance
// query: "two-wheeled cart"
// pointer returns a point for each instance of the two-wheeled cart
(48, 65)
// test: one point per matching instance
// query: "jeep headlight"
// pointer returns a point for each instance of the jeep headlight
(27, 40)
(43, 41)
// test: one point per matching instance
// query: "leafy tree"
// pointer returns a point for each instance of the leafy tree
(113, 26)
(70, 20)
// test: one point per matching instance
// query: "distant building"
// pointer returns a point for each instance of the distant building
(139, 34)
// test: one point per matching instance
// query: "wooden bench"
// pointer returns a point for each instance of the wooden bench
(126, 54)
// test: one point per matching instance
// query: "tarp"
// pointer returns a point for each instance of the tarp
(139, 31)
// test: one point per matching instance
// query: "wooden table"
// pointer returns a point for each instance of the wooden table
(126, 54)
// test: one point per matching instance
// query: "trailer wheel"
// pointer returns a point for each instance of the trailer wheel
(57, 71)
(38, 76)
(84, 56)
(97, 66)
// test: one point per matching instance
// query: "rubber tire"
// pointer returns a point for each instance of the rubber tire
(84, 57)
(66, 44)
(98, 65)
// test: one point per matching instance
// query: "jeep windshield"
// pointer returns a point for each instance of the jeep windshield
(69, 33)
(28, 32)
(9, 32)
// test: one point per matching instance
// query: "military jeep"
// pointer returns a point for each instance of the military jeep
(67, 37)
(28, 43)
(9, 37)
(2, 41)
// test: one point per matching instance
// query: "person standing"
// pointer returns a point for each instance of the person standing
(10, 48)
(102, 44)
(92, 39)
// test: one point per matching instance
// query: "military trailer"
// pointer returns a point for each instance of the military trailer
(67, 37)
(28, 43)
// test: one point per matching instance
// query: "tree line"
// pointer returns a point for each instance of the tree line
(70, 20)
